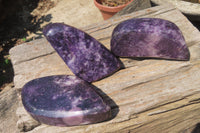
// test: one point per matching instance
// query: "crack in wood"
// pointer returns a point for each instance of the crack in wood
(35, 58)
(196, 101)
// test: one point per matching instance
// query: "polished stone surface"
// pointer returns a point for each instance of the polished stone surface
(64, 101)
(84, 55)
(149, 37)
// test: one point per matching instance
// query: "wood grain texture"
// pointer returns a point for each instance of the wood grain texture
(8, 105)
(146, 95)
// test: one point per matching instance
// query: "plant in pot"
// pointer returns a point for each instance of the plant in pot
(109, 8)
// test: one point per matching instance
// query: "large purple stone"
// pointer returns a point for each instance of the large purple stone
(85, 56)
(149, 37)
(64, 101)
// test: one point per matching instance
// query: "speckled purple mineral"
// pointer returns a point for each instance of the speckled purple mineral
(64, 101)
(84, 55)
(149, 37)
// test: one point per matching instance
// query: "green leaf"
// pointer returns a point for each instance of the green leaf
(24, 39)
(7, 61)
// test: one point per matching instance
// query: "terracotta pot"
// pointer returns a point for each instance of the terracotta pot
(107, 11)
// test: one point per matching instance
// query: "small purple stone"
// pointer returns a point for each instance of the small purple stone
(149, 37)
(64, 101)
(84, 55)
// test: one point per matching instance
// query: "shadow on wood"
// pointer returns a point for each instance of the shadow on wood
(114, 107)
(196, 129)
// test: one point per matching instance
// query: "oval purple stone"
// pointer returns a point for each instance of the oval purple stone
(84, 55)
(64, 101)
(149, 37)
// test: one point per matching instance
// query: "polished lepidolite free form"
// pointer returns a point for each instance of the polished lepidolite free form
(84, 55)
(64, 101)
(149, 37)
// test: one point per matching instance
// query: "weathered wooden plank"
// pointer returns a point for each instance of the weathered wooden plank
(104, 29)
(30, 50)
(146, 95)
(8, 105)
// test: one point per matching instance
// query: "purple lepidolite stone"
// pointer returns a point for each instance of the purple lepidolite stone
(149, 37)
(64, 101)
(84, 55)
